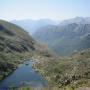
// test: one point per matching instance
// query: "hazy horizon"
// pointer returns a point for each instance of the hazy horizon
(28, 19)
(43, 9)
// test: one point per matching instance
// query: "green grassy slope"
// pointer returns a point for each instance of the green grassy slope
(71, 72)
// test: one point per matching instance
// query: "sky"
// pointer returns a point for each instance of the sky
(43, 9)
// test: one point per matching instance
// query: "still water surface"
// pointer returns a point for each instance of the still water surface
(24, 75)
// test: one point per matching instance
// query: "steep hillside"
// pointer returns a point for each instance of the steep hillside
(65, 39)
(13, 38)
(15, 46)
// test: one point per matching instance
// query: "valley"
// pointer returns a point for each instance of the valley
(61, 54)
(68, 37)
(44, 45)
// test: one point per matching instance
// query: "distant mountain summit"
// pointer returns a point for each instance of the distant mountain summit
(78, 20)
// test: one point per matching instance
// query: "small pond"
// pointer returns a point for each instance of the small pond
(24, 75)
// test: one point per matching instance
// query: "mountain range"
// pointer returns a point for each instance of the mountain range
(68, 37)
(33, 25)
